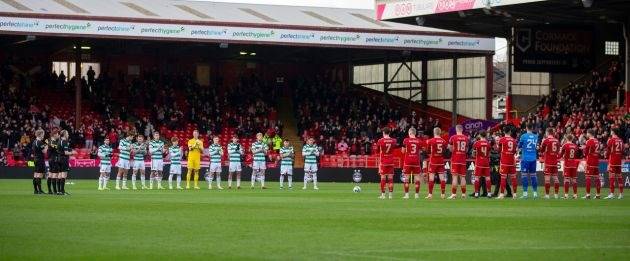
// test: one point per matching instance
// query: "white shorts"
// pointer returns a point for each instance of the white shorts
(157, 165)
(257, 165)
(123, 164)
(176, 169)
(215, 167)
(312, 167)
(137, 165)
(106, 168)
(286, 169)
(235, 167)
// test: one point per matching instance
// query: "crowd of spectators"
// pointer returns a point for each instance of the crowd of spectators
(349, 120)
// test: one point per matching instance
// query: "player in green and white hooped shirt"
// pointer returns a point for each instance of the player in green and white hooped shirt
(105, 153)
(125, 149)
(259, 149)
(216, 152)
(310, 151)
(175, 154)
(287, 156)
(139, 151)
(156, 148)
(235, 152)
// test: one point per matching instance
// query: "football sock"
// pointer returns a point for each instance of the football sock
(262, 180)
(124, 181)
(619, 183)
(556, 187)
(575, 188)
(48, 183)
(598, 185)
(35, 184)
(179, 180)
(196, 178)
(54, 185)
(525, 181)
(391, 185)
(611, 183)
(188, 176)
(566, 187)
(588, 185)
(431, 185)
(443, 186)
(534, 179)
(238, 181)
(463, 188)
(382, 185)
(230, 180)
(281, 180)
(142, 180)
(406, 186)
(453, 189)
(488, 185)
(133, 179)
(62, 185)
(417, 186)
(218, 179)
(547, 187)
(39, 185)
(477, 185)
(290, 178)
(514, 185)
(170, 180)
(503, 184)
(254, 179)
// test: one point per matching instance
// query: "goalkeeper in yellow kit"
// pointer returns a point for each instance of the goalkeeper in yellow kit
(195, 149)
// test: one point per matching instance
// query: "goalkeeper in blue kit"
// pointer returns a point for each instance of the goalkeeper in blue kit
(528, 145)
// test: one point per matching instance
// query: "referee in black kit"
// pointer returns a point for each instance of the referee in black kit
(39, 150)
(54, 162)
(64, 162)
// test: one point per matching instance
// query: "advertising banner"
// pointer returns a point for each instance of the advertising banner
(473, 126)
(392, 9)
(553, 49)
(66, 27)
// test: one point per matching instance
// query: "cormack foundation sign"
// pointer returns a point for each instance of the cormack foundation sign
(553, 49)
(66, 27)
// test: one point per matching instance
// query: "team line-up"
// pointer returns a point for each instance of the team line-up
(551, 149)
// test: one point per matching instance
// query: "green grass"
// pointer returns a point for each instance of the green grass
(330, 224)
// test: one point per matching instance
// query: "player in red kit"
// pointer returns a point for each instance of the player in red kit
(481, 152)
(507, 149)
(411, 165)
(592, 164)
(386, 146)
(436, 147)
(614, 149)
(568, 152)
(458, 145)
(549, 148)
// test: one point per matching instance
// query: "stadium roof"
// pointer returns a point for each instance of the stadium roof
(215, 21)
(494, 17)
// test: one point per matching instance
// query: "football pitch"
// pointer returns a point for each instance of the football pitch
(330, 224)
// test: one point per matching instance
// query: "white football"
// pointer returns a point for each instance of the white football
(356, 189)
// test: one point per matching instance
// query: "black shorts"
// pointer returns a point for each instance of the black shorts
(64, 165)
(40, 166)
(54, 166)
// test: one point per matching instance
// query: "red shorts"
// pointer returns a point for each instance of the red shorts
(458, 169)
(507, 170)
(411, 170)
(614, 170)
(482, 171)
(570, 172)
(386, 170)
(551, 170)
(433, 169)
(592, 170)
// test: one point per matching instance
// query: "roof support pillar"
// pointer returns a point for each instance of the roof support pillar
(508, 76)
(489, 83)
(423, 81)
(454, 98)
(77, 85)
(626, 38)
